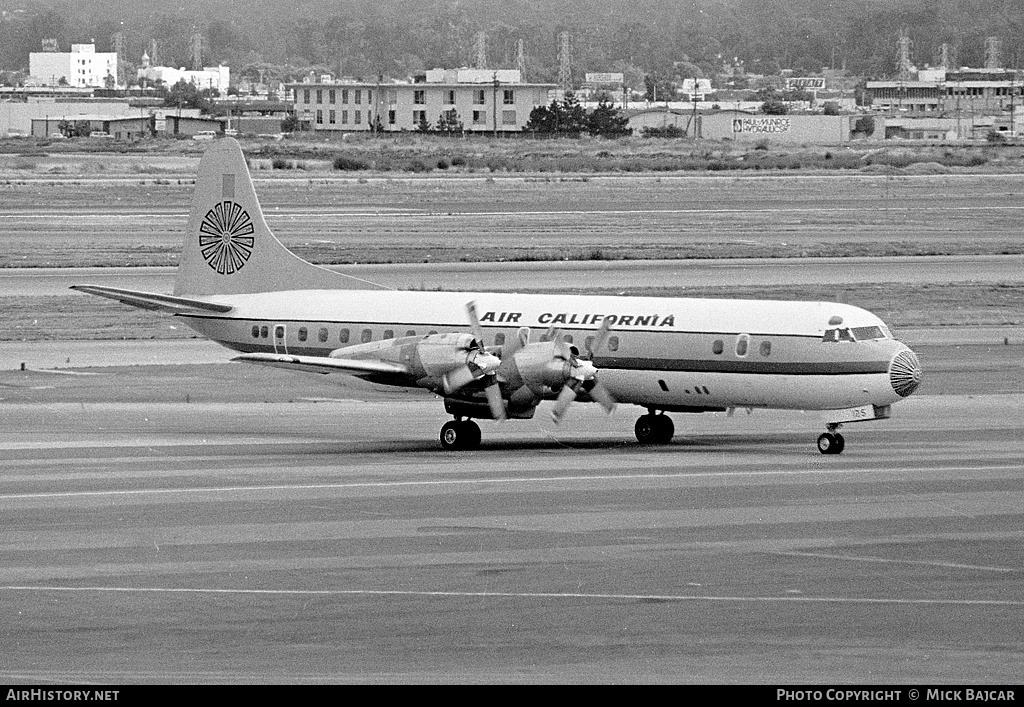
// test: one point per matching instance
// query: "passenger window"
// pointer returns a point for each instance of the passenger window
(343, 336)
(567, 338)
(366, 336)
(766, 348)
(303, 333)
(322, 335)
(389, 333)
(255, 331)
(499, 339)
(588, 344)
(742, 342)
(613, 343)
(279, 332)
(411, 332)
(264, 332)
(718, 347)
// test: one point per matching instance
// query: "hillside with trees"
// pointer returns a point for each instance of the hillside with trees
(656, 38)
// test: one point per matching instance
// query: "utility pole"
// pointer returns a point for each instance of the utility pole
(494, 118)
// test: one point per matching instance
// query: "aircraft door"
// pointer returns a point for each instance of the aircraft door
(280, 339)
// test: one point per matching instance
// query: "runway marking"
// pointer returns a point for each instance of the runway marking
(462, 482)
(518, 595)
(409, 213)
(859, 558)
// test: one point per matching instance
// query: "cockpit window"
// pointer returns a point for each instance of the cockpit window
(864, 333)
(857, 333)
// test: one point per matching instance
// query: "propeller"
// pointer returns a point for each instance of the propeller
(583, 376)
(492, 390)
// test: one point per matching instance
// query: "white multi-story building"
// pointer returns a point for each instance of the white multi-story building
(82, 66)
(481, 100)
(215, 77)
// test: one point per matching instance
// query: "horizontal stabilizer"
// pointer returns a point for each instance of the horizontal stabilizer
(369, 370)
(153, 300)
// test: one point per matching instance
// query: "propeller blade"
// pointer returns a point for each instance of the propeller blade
(601, 396)
(495, 402)
(474, 322)
(562, 403)
(458, 378)
(600, 337)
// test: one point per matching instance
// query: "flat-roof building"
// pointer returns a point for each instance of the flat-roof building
(480, 100)
(82, 66)
(963, 91)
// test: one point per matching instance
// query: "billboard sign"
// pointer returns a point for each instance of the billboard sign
(762, 125)
(810, 83)
(616, 79)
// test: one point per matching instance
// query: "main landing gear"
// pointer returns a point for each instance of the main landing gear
(459, 434)
(654, 428)
(831, 442)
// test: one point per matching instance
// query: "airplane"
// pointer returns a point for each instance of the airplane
(498, 356)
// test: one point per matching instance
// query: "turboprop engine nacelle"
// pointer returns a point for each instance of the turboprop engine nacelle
(542, 368)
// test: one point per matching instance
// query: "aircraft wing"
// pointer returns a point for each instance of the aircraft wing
(153, 300)
(376, 371)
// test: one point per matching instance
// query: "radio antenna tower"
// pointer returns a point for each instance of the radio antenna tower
(947, 56)
(903, 65)
(197, 50)
(993, 48)
(521, 58)
(564, 61)
(481, 50)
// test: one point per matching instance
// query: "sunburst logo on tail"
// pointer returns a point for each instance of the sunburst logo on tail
(226, 237)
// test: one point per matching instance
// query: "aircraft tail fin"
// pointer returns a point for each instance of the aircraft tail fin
(228, 248)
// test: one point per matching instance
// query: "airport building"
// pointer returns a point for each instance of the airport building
(480, 100)
(83, 66)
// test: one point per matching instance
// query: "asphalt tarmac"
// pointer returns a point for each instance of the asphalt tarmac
(223, 524)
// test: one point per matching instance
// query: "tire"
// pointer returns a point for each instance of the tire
(829, 443)
(646, 429)
(458, 435)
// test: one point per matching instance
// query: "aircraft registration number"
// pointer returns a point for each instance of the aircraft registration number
(857, 414)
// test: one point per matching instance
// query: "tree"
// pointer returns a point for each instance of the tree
(773, 107)
(290, 123)
(450, 123)
(830, 108)
(186, 95)
(865, 124)
(608, 121)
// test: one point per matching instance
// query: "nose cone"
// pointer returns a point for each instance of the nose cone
(905, 373)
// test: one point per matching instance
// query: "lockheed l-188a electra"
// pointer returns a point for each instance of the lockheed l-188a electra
(499, 356)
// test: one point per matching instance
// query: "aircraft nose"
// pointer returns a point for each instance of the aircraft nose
(905, 372)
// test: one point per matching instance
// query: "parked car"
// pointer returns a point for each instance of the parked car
(99, 133)
(205, 135)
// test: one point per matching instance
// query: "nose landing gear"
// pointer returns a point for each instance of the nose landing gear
(831, 442)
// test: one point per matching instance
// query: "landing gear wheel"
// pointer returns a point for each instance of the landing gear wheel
(458, 435)
(831, 443)
(654, 429)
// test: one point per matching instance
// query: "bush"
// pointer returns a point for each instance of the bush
(279, 163)
(349, 164)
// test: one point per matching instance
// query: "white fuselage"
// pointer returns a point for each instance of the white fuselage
(661, 353)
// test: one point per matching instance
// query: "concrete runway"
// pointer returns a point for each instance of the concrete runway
(531, 276)
(242, 542)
